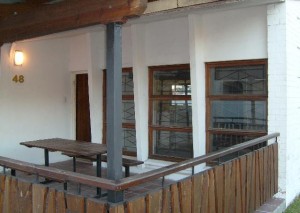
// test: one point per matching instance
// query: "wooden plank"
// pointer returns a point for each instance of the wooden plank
(185, 195)
(250, 196)
(175, 202)
(257, 180)
(211, 192)
(243, 181)
(204, 200)
(51, 201)
(6, 197)
(261, 176)
(265, 174)
(39, 194)
(275, 148)
(197, 182)
(2, 191)
(233, 184)
(75, 203)
(272, 171)
(62, 16)
(238, 186)
(24, 196)
(93, 206)
(14, 206)
(61, 202)
(219, 182)
(154, 202)
(166, 203)
(227, 188)
(136, 206)
(116, 209)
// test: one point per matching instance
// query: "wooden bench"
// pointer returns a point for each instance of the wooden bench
(126, 162)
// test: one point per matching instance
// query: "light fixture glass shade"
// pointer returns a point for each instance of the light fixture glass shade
(19, 58)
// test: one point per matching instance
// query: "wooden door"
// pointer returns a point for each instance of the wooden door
(83, 122)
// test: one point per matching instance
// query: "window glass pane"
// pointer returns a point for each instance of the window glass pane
(127, 83)
(221, 141)
(175, 82)
(129, 139)
(238, 80)
(172, 113)
(128, 111)
(239, 115)
(174, 144)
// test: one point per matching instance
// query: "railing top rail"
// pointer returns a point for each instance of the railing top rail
(64, 176)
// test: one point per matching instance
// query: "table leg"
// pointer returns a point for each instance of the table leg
(98, 173)
(74, 164)
(46, 155)
(127, 171)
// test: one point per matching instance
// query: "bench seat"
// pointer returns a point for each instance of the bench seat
(126, 162)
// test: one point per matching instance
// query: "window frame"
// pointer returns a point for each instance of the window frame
(124, 97)
(152, 127)
(233, 97)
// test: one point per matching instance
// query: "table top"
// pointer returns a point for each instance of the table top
(69, 146)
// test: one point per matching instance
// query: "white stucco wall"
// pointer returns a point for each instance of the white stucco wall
(293, 99)
(39, 107)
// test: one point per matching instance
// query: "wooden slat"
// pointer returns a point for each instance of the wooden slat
(75, 203)
(232, 184)
(239, 186)
(250, 197)
(211, 192)
(2, 191)
(6, 196)
(228, 187)
(116, 209)
(275, 147)
(261, 175)
(93, 206)
(265, 173)
(175, 202)
(39, 194)
(24, 196)
(51, 201)
(257, 180)
(185, 195)
(243, 180)
(61, 202)
(154, 202)
(219, 182)
(166, 203)
(204, 201)
(14, 206)
(137, 206)
(272, 171)
(197, 182)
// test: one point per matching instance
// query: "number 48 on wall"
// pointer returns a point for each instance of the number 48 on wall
(18, 79)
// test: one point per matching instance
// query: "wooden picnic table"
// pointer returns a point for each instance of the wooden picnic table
(76, 148)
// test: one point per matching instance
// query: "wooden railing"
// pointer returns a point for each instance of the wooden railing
(240, 185)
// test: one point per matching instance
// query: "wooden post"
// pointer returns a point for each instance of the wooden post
(114, 106)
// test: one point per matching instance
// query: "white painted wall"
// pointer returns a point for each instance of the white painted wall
(293, 99)
(38, 108)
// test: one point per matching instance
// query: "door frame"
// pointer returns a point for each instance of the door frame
(73, 100)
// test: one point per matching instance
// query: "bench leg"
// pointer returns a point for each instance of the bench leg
(127, 171)
(74, 164)
(98, 173)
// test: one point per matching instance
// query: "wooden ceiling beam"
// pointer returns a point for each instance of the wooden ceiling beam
(7, 10)
(67, 15)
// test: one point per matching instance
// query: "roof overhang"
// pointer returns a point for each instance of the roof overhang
(67, 15)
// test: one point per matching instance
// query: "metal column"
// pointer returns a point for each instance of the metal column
(114, 106)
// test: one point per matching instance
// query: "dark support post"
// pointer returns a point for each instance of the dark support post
(114, 107)
(46, 155)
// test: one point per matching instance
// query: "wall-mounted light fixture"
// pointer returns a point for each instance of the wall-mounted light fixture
(19, 58)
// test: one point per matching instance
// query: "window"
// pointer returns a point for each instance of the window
(128, 112)
(236, 102)
(170, 112)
